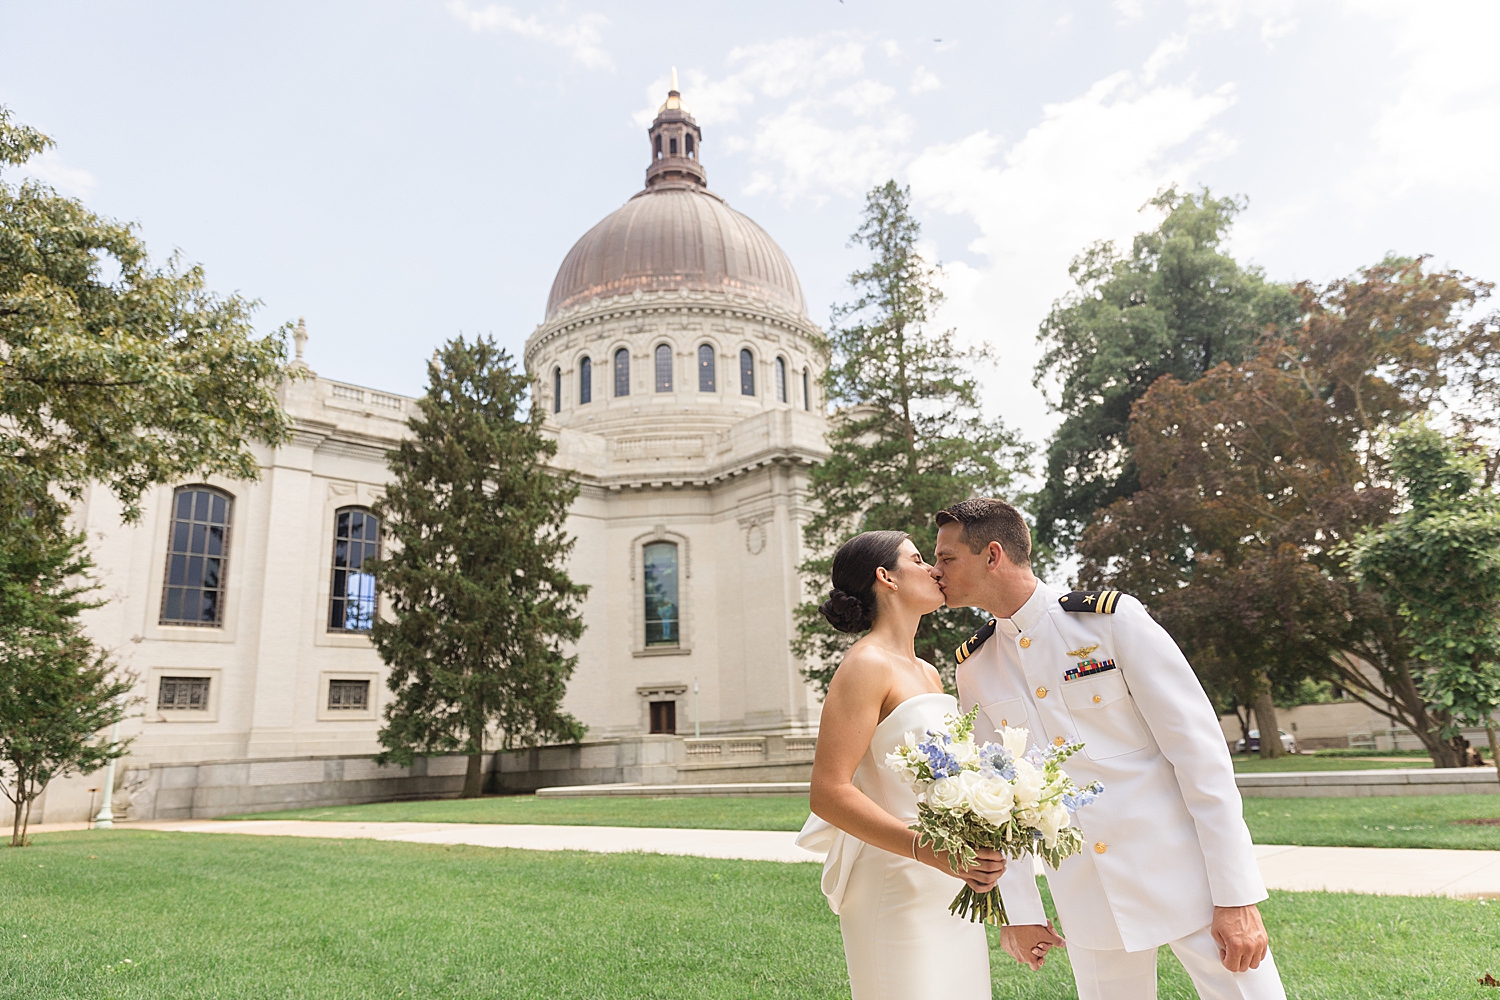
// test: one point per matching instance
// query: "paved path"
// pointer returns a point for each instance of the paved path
(1377, 870)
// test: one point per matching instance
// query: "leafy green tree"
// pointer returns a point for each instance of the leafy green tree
(130, 380)
(909, 438)
(1178, 304)
(480, 603)
(1437, 563)
(57, 689)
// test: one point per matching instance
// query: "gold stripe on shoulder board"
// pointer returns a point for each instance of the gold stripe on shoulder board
(1107, 601)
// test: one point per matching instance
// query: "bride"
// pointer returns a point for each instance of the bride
(891, 895)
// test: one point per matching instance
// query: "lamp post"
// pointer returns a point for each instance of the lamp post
(106, 816)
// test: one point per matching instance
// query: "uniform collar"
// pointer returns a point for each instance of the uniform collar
(1030, 614)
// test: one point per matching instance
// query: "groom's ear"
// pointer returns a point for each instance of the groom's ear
(993, 554)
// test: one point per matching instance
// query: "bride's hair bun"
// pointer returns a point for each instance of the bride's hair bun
(846, 612)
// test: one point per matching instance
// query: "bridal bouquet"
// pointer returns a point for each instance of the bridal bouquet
(999, 795)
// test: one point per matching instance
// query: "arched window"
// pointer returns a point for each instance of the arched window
(661, 594)
(658, 146)
(806, 391)
(197, 557)
(557, 390)
(690, 144)
(356, 540)
(663, 368)
(781, 380)
(674, 147)
(747, 372)
(622, 372)
(705, 368)
(585, 381)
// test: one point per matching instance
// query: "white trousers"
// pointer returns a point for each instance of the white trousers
(1131, 975)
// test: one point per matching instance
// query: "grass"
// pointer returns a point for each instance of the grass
(1244, 764)
(227, 917)
(1381, 821)
(761, 812)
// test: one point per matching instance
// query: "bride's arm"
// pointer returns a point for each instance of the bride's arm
(850, 714)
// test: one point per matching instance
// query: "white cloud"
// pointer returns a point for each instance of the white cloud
(583, 37)
(49, 168)
(1130, 10)
(924, 80)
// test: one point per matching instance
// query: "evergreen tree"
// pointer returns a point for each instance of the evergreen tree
(1177, 305)
(480, 604)
(909, 438)
(57, 689)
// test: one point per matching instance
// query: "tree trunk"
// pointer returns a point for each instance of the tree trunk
(474, 777)
(1489, 730)
(1244, 720)
(1265, 721)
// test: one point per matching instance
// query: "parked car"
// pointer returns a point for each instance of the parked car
(1288, 745)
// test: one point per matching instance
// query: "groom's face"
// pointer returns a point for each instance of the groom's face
(958, 571)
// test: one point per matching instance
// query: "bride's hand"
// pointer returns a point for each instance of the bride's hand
(980, 876)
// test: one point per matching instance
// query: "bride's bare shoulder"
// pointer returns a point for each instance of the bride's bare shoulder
(865, 665)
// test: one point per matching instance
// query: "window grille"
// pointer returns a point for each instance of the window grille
(622, 372)
(661, 594)
(781, 380)
(197, 557)
(663, 368)
(747, 372)
(585, 381)
(705, 368)
(348, 696)
(356, 540)
(183, 694)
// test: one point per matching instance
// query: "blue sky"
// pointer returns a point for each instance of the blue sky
(398, 173)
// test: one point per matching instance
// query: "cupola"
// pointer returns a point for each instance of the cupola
(676, 144)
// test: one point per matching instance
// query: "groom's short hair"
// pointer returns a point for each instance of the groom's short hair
(986, 520)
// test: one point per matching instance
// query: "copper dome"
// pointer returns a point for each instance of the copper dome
(671, 236)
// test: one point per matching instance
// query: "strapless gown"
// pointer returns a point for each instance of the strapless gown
(899, 939)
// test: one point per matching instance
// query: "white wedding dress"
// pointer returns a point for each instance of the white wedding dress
(899, 939)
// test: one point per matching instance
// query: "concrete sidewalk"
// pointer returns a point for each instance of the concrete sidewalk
(1373, 870)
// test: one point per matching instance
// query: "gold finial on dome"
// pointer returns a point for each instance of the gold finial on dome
(674, 97)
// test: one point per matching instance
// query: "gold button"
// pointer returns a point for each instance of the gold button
(1059, 742)
(1097, 699)
(1099, 848)
(1026, 642)
(1041, 692)
(1004, 722)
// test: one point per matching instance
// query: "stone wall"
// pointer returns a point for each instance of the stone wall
(659, 760)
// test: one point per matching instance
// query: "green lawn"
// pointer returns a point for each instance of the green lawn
(1305, 762)
(218, 916)
(760, 812)
(1381, 821)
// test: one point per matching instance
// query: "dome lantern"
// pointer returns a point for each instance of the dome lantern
(676, 144)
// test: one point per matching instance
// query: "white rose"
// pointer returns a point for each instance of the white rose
(964, 752)
(991, 800)
(1028, 785)
(1015, 740)
(947, 793)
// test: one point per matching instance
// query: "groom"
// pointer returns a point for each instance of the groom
(1168, 859)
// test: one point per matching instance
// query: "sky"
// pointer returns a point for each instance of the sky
(401, 173)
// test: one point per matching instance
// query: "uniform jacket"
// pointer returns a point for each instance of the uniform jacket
(1166, 842)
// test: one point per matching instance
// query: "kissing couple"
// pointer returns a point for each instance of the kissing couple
(1167, 859)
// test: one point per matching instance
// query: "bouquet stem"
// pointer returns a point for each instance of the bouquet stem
(980, 907)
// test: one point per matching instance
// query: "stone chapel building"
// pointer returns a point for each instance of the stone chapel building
(679, 371)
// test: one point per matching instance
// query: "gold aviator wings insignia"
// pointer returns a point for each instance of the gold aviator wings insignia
(1082, 651)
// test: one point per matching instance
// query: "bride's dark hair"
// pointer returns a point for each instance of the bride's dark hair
(851, 604)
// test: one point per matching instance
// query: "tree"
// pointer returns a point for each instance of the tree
(57, 690)
(1177, 305)
(480, 604)
(910, 438)
(1254, 475)
(1437, 563)
(132, 380)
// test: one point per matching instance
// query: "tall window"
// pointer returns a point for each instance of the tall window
(781, 380)
(747, 372)
(690, 144)
(585, 381)
(661, 594)
(664, 716)
(197, 557)
(557, 390)
(806, 391)
(622, 372)
(356, 540)
(705, 368)
(663, 368)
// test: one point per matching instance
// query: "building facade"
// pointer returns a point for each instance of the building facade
(679, 373)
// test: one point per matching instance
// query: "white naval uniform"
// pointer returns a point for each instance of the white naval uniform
(1166, 842)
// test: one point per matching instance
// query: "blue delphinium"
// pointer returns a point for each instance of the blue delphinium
(1085, 796)
(940, 761)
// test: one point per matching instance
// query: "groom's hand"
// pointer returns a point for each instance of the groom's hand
(1241, 937)
(1029, 943)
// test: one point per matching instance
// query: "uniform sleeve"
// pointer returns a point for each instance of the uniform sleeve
(1017, 887)
(1183, 722)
